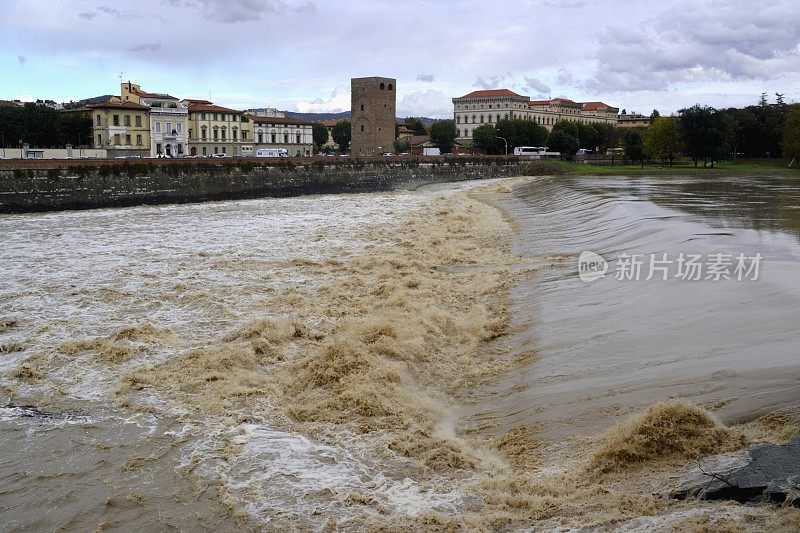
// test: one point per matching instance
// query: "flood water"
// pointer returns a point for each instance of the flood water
(610, 346)
(87, 298)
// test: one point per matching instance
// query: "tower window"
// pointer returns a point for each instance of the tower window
(362, 107)
(362, 127)
(390, 86)
(383, 86)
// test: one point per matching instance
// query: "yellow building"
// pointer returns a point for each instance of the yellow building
(216, 130)
(169, 120)
(122, 128)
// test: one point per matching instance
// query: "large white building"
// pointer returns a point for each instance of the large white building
(489, 106)
(169, 120)
(295, 135)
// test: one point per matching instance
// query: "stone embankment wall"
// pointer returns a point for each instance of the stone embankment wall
(42, 185)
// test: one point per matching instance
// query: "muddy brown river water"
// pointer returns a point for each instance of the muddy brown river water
(408, 360)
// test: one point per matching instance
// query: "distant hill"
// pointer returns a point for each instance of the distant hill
(344, 115)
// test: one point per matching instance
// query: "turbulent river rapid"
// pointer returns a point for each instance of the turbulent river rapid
(423, 359)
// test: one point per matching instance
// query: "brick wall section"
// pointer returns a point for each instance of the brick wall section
(48, 185)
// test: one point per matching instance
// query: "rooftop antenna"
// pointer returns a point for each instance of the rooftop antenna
(121, 76)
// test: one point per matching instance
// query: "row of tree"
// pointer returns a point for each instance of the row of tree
(698, 132)
(41, 126)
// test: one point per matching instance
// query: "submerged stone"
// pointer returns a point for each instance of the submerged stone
(766, 473)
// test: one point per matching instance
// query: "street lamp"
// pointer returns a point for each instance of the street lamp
(505, 142)
(20, 149)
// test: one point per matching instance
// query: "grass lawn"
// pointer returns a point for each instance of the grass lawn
(742, 167)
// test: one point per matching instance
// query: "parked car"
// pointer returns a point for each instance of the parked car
(219, 155)
(388, 154)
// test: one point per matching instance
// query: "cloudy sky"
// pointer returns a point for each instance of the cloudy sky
(300, 54)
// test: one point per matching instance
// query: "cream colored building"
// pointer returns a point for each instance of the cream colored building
(295, 135)
(490, 106)
(169, 120)
(122, 128)
(633, 120)
(215, 130)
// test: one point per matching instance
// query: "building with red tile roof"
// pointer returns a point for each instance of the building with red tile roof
(488, 106)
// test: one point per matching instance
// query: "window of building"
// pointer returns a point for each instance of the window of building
(215, 117)
(127, 121)
(179, 127)
(285, 138)
(260, 138)
(297, 137)
(224, 133)
(138, 121)
(169, 128)
(490, 119)
(224, 150)
(473, 119)
(203, 117)
(383, 86)
(158, 148)
(128, 140)
(205, 151)
(362, 107)
(234, 118)
(481, 119)
(138, 140)
(216, 133)
(203, 133)
(244, 135)
(216, 149)
(362, 127)
(116, 139)
(272, 137)
(158, 127)
(180, 148)
(390, 87)
(98, 120)
(235, 134)
(115, 120)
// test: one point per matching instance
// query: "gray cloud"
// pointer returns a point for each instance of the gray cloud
(22, 60)
(426, 77)
(146, 47)
(533, 84)
(87, 15)
(234, 11)
(704, 44)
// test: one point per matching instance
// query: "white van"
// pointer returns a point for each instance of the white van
(272, 152)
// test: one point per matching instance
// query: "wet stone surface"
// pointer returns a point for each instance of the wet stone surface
(771, 474)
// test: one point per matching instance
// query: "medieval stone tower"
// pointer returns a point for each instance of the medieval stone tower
(372, 109)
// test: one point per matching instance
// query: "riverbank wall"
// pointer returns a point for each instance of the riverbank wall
(50, 185)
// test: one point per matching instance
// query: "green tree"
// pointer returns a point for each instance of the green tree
(561, 141)
(588, 137)
(791, 135)
(568, 127)
(519, 132)
(662, 140)
(443, 135)
(605, 136)
(402, 145)
(341, 134)
(634, 147)
(701, 131)
(320, 134)
(416, 125)
(485, 138)
(654, 115)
